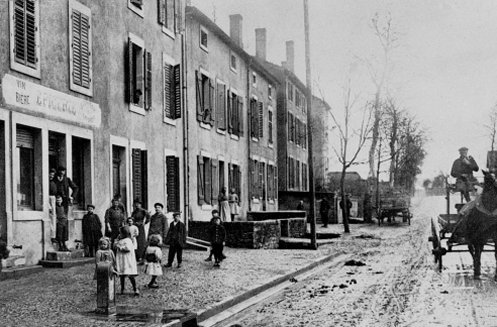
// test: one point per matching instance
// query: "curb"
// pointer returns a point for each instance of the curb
(20, 272)
(66, 264)
(234, 300)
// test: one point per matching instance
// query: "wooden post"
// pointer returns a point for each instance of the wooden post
(106, 290)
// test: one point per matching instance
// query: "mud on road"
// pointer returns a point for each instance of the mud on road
(397, 286)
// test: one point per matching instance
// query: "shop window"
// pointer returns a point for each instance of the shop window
(80, 52)
(81, 171)
(25, 37)
(119, 172)
(139, 175)
(173, 183)
(29, 177)
(56, 150)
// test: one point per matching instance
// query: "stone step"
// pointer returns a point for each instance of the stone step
(66, 263)
(300, 243)
(14, 261)
(65, 256)
(324, 235)
(19, 272)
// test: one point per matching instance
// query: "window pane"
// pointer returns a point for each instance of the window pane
(25, 187)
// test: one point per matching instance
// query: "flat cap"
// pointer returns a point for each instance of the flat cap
(463, 149)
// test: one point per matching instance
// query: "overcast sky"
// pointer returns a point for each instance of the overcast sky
(444, 69)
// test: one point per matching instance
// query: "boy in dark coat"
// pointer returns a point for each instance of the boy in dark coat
(62, 232)
(92, 231)
(176, 238)
(217, 237)
(215, 215)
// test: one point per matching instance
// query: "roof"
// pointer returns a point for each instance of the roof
(349, 175)
(282, 73)
(195, 14)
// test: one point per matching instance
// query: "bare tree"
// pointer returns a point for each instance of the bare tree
(491, 126)
(382, 28)
(352, 138)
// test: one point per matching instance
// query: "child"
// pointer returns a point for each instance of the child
(126, 259)
(215, 215)
(217, 237)
(153, 255)
(104, 254)
(92, 231)
(62, 232)
(134, 233)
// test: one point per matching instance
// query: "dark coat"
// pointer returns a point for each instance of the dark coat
(92, 229)
(349, 205)
(176, 235)
(464, 167)
(325, 206)
(217, 234)
(158, 225)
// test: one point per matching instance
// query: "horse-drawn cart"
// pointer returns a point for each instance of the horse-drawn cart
(394, 204)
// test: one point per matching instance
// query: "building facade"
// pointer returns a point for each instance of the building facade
(229, 141)
(98, 91)
(322, 149)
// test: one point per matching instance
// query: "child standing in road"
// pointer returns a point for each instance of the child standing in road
(104, 254)
(153, 256)
(126, 259)
(217, 237)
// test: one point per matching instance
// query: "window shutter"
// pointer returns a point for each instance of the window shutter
(24, 138)
(205, 83)
(128, 71)
(212, 96)
(200, 180)
(148, 80)
(85, 51)
(208, 181)
(260, 183)
(200, 99)
(137, 173)
(229, 96)
(177, 91)
(25, 29)
(168, 102)
(240, 116)
(215, 180)
(270, 126)
(275, 170)
(170, 13)
(230, 176)
(173, 200)
(76, 47)
(221, 107)
(260, 120)
(253, 118)
(238, 184)
(161, 10)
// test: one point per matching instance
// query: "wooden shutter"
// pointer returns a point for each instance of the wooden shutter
(200, 180)
(168, 102)
(24, 138)
(212, 102)
(80, 47)
(260, 183)
(208, 181)
(221, 174)
(221, 106)
(148, 79)
(25, 29)
(253, 118)
(128, 71)
(275, 170)
(230, 111)
(136, 157)
(161, 11)
(200, 98)
(177, 91)
(270, 126)
(238, 181)
(172, 166)
(260, 120)
(230, 176)
(215, 180)
(240, 116)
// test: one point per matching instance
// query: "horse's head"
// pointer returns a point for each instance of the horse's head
(489, 180)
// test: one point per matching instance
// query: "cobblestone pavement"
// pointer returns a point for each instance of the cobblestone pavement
(67, 297)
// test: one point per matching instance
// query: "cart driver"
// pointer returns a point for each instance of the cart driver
(462, 170)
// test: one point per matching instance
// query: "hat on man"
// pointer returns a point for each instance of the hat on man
(159, 204)
(176, 213)
(90, 205)
(463, 149)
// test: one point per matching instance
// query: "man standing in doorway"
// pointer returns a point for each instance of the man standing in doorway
(62, 184)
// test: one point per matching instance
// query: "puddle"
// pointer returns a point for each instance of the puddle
(150, 316)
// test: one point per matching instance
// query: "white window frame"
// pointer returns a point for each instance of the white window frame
(233, 69)
(132, 107)
(73, 4)
(206, 74)
(136, 10)
(204, 30)
(33, 72)
(270, 92)
(166, 60)
(166, 30)
(122, 142)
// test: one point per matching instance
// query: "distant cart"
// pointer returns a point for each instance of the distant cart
(394, 204)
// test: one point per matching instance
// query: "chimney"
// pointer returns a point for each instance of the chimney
(236, 29)
(290, 56)
(260, 43)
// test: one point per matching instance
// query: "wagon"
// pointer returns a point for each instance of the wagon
(394, 204)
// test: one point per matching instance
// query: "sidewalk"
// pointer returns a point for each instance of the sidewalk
(66, 297)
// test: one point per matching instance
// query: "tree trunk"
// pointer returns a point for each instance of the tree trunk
(375, 135)
(346, 228)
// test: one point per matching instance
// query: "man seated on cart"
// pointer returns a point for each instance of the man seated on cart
(462, 170)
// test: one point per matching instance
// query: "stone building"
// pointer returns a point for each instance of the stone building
(231, 121)
(292, 106)
(322, 151)
(97, 90)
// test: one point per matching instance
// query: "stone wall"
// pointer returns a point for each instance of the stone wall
(274, 215)
(242, 234)
(293, 227)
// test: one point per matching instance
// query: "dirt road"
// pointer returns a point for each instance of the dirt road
(397, 286)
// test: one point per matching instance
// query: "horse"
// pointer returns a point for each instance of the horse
(481, 223)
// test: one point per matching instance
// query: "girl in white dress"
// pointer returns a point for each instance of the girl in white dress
(126, 259)
(153, 256)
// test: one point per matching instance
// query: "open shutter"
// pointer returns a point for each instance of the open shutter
(238, 183)
(253, 118)
(168, 91)
(212, 98)
(173, 201)
(229, 96)
(251, 178)
(161, 11)
(208, 181)
(148, 80)
(221, 107)
(200, 99)
(275, 190)
(230, 176)
(200, 180)
(260, 119)
(137, 173)
(240, 116)
(177, 91)
(128, 70)
(270, 126)
(85, 51)
(215, 180)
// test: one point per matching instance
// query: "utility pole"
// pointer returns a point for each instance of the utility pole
(312, 194)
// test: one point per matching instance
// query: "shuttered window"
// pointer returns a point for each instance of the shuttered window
(235, 179)
(173, 184)
(24, 29)
(80, 48)
(204, 180)
(235, 114)
(270, 127)
(215, 181)
(172, 91)
(138, 72)
(253, 118)
(261, 186)
(205, 98)
(221, 106)
(297, 170)
(167, 14)
(139, 175)
(260, 120)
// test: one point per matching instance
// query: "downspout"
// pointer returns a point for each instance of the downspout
(249, 200)
(186, 172)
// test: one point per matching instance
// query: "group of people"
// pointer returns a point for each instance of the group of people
(229, 205)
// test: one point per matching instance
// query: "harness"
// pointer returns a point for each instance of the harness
(478, 204)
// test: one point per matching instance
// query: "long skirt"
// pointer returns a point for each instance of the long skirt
(224, 210)
(141, 241)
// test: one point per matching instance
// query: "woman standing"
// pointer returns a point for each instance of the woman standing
(140, 217)
(224, 207)
(234, 203)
